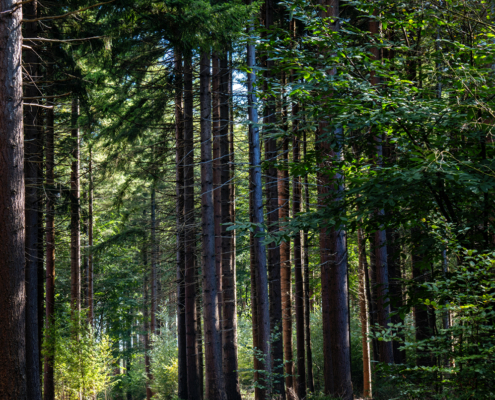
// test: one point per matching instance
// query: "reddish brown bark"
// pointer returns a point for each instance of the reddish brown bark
(271, 190)
(12, 207)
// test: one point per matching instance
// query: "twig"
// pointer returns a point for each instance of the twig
(66, 14)
(61, 41)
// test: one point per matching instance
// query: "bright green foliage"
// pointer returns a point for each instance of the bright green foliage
(83, 360)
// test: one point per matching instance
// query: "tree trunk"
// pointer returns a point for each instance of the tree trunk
(75, 235)
(154, 281)
(334, 280)
(285, 269)
(217, 175)
(32, 162)
(371, 293)
(298, 273)
(307, 304)
(381, 262)
(363, 314)
(253, 273)
(12, 208)
(263, 325)
(394, 273)
(179, 159)
(193, 383)
(90, 240)
(229, 316)
(48, 379)
(146, 325)
(271, 190)
(215, 383)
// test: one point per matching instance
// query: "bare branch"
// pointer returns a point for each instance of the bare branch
(66, 14)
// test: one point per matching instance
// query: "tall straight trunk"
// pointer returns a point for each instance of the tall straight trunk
(147, 363)
(154, 281)
(229, 316)
(307, 304)
(32, 162)
(285, 268)
(253, 273)
(215, 382)
(199, 327)
(298, 273)
(232, 175)
(394, 273)
(271, 190)
(90, 240)
(333, 254)
(75, 233)
(263, 321)
(179, 160)
(193, 377)
(48, 378)
(363, 314)
(12, 206)
(371, 294)
(423, 315)
(381, 262)
(217, 173)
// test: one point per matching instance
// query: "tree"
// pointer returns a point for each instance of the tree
(13, 383)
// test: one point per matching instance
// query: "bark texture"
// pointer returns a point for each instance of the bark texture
(179, 160)
(193, 376)
(48, 379)
(12, 206)
(32, 175)
(228, 298)
(75, 233)
(215, 382)
(262, 309)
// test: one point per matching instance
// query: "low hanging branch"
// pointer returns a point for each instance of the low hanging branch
(61, 40)
(66, 14)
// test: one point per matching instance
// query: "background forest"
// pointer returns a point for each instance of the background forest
(224, 199)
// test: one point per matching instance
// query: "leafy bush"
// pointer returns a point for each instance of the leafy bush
(82, 359)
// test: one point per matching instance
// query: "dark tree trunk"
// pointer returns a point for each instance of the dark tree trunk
(193, 377)
(215, 382)
(381, 262)
(307, 305)
(146, 324)
(48, 379)
(334, 279)
(423, 316)
(32, 162)
(217, 174)
(271, 190)
(229, 310)
(253, 272)
(371, 293)
(263, 320)
(394, 273)
(75, 235)
(12, 208)
(179, 159)
(285, 269)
